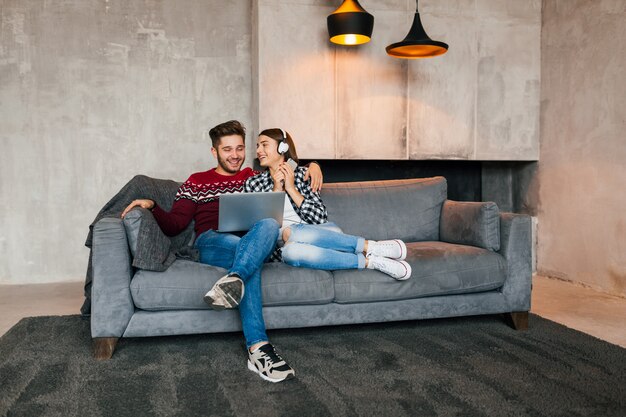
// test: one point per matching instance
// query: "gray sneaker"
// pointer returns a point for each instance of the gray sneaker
(226, 293)
(269, 365)
(394, 249)
(399, 270)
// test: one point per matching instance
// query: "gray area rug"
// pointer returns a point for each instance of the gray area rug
(475, 366)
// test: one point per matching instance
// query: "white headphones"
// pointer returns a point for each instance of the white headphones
(283, 146)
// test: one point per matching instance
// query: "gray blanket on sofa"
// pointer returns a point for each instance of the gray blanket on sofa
(155, 251)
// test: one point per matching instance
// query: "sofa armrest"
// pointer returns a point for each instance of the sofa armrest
(132, 223)
(112, 304)
(470, 223)
(516, 248)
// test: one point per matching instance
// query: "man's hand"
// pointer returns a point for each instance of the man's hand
(147, 204)
(314, 172)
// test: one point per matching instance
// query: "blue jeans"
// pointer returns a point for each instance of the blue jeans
(243, 256)
(323, 246)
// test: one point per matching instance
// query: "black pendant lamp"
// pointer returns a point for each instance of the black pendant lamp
(350, 24)
(417, 44)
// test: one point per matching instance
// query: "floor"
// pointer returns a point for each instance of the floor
(572, 305)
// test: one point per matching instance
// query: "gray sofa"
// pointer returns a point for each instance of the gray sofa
(467, 259)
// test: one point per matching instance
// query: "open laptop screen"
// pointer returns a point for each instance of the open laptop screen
(240, 211)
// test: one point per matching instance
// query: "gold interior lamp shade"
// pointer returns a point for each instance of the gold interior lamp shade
(417, 44)
(350, 24)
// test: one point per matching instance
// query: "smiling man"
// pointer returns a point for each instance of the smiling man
(198, 199)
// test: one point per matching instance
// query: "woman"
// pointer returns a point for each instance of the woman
(306, 237)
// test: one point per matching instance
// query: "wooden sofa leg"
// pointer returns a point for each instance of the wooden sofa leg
(518, 320)
(103, 347)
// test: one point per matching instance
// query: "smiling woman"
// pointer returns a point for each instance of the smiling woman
(266, 147)
(306, 238)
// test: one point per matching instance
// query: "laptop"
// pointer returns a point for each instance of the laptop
(239, 211)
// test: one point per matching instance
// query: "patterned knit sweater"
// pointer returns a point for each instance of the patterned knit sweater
(198, 199)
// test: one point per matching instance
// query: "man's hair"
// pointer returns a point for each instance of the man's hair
(232, 127)
(277, 135)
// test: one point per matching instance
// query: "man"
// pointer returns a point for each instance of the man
(198, 199)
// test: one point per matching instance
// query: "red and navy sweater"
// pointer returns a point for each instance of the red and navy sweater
(198, 199)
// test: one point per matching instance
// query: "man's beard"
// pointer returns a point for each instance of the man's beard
(226, 166)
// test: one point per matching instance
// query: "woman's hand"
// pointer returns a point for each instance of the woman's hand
(290, 184)
(279, 180)
(147, 204)
(290, 179)
(314, 172)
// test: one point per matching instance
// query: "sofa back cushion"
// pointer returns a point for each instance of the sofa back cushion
(471, 223)
(393, 209)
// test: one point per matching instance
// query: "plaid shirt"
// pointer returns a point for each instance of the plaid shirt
(312, 209)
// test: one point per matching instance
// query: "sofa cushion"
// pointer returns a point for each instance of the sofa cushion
(471, 223)
(395, 209)
(287, 285)
(180, 286)
(184, 283)
(438, 268)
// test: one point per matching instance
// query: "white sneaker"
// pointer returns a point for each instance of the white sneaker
(226, 293)
(269, 364)
(394, 249)
(399, 270)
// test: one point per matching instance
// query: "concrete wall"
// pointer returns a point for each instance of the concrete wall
(582, 174)
(480, 101)
(95, 91)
